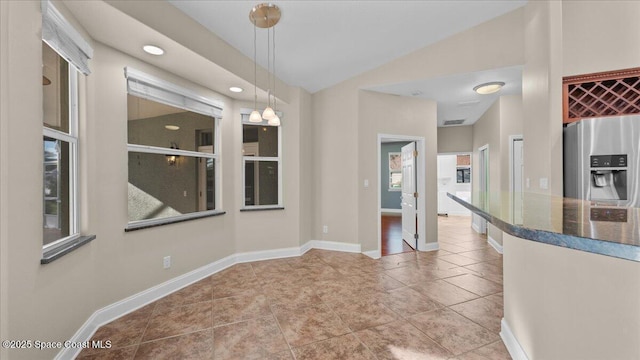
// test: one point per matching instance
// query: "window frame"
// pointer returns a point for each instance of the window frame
(72, 139)
(166, 88)
(244, 120)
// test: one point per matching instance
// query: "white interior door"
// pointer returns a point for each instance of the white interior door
(409, 194)
(517, 185)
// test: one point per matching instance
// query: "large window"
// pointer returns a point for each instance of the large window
(261, 150)
(64, 56)
(60, 143)
(173, 156)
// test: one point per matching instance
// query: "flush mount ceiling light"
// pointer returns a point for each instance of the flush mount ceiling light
(489, 88)
(172, 127)
(236, 89)
(153, 50)
(265, 16)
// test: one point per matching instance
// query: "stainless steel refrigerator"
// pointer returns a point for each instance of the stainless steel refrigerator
(602, 160)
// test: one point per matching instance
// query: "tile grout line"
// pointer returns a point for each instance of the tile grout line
(274, 316)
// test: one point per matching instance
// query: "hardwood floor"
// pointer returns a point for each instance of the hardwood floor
(392, 242)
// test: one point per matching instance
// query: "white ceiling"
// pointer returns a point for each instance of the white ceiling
(319, 44)
(454, 94)
(322, 43)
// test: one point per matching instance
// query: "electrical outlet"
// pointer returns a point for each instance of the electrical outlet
(166, 262)
(325, 229)
(185, 193)
(544, 183)
(366, 183)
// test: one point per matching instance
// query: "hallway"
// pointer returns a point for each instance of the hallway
(445, 304)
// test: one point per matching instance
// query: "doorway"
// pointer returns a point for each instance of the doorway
(454, 177)
(392, 220)
(480, 224)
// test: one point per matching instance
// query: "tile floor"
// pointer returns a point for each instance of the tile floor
(330, 305)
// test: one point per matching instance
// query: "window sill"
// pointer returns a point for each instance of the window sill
(262, 208)
(146, 224)
(59, 252)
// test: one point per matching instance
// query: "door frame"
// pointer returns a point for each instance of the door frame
(512, 140)
(420, 186)
(483, 169)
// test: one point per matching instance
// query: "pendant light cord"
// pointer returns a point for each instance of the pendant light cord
(268, 62)
(255, 69)
(274, 68)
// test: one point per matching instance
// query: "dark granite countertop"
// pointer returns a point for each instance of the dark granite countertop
(576, 224)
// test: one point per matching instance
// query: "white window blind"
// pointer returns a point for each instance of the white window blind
(61, 36)
(151, 88)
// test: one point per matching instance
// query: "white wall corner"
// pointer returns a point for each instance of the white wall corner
(306, 247)
(433, 246)
(268, 254)
(511, 343)
(374, 254)
(494, 244)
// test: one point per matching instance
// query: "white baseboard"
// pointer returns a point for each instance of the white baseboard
(335, 246)
(136, 301)
(434, 246)
(475, 227)
(268, 254)
(494, 244)
(374, 254)
(511, 343)
(391, 211)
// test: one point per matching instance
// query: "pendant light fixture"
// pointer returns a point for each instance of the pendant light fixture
(265, 16)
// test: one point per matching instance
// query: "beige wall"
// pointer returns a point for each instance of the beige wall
(542, 96)
(568, 304)
(600, 36)
(511, 116)
(4, 166)
(455, 139)
(393, 115)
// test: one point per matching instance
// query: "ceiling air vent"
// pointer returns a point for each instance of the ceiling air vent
(454, 122)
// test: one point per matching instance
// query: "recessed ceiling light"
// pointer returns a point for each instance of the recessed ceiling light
(172, 127)
(153, 50)
(489, 88)
(236, 89)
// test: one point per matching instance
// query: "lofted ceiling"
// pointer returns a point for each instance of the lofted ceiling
(320, 44)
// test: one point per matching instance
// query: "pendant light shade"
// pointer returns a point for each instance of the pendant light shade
(268, 113)
(255, 117)
(275, 121)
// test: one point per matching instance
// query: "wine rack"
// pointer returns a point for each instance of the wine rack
(612, 93)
